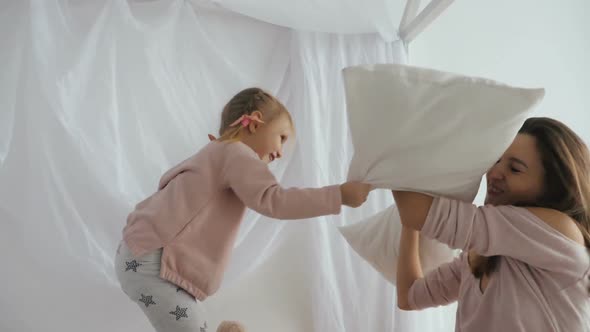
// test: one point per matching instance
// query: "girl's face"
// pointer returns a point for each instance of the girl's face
(268, 139)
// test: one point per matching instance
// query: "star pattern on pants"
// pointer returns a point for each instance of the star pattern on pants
(132, 265)
(179, 312)
(147, 300)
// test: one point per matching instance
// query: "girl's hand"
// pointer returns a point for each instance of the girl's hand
(354, 193)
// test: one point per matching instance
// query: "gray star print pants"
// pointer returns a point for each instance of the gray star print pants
(168, 307)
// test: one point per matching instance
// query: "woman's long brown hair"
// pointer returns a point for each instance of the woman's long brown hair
(566, 163)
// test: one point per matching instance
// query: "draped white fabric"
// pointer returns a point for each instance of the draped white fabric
(311, 15)
(99, 98)
(391, 18)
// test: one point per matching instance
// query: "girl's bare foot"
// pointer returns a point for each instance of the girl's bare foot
(231, 326)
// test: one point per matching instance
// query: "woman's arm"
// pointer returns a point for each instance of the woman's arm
(408, 266)
(413, 208)
(520, 233)
(414, 291)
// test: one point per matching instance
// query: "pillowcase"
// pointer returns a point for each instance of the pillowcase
(376, 240)
(428, 131)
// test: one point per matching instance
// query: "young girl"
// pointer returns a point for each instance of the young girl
(177, 242)
(526, 264)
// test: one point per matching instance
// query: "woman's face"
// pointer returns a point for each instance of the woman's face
(517, 177)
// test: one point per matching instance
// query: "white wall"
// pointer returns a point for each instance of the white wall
(525, 42)
(529, 43)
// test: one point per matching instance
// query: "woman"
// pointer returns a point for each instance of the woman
(526, 259)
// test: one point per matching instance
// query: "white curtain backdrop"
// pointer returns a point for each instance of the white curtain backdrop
(99, 98)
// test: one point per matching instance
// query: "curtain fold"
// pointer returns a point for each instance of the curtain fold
(99, 98)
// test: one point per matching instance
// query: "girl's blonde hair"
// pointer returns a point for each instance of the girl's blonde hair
(246, 102)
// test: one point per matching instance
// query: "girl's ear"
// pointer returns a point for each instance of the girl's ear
(256, 118)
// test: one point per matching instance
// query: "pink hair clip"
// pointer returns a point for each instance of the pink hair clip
(246, 119)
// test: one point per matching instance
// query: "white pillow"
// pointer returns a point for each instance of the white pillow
(428, 131)
(376, 240)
